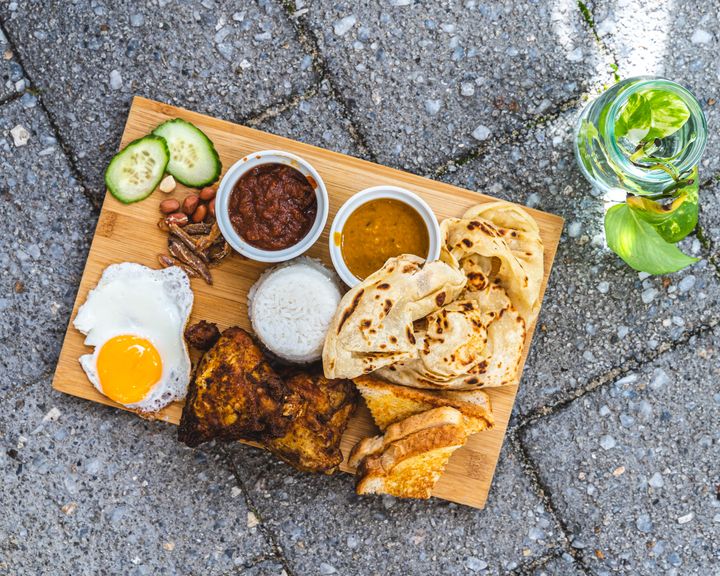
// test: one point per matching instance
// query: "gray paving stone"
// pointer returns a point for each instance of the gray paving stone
(593, 317)
(48, 224)
(92, 490)
(228, 59)
(318, 120)
(632, 467)
(265, 568)
(677, 40)
(322, 525)
(422, 77)
(12, 77)
(563, 566)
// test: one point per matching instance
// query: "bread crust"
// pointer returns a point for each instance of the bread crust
(390, 403)
(409, 458)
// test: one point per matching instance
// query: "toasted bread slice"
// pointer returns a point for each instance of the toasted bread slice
(390, 403)
(438, 417)
(409, 459)
(412, 478)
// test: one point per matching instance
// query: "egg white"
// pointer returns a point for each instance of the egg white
(152, 304)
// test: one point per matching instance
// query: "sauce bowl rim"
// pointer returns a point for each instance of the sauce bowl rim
(227, 184)
(375, 193)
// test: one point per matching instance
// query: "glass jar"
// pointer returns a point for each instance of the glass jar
(611, 162)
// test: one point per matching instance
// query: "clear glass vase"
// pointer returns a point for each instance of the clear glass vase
(609, 162)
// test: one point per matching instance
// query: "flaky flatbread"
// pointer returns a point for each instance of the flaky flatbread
(373, 326)
(498, 243)
(474, 342)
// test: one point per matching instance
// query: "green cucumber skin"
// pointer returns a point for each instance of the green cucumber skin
(113, 189)
(210, 147)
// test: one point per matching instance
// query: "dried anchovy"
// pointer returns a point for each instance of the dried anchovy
(168, 261)
(186, 255)
(206, 241)
(180, 251)
(217, 252)
(180, 234)
(199, 229)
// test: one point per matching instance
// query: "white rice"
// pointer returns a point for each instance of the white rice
(291, 307)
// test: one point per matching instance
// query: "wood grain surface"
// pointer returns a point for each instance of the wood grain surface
(129, 234)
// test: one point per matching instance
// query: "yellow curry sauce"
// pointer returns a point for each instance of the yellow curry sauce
(381, 229)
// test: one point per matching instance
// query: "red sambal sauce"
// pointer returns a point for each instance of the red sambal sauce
(272, 206)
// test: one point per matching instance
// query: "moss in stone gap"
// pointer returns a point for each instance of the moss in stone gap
(700, 234)
(586, 14)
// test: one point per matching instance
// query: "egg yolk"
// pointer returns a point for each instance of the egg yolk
(128, 367)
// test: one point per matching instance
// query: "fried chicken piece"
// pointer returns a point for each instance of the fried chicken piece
(235, 395)
(323, 408)
(202, 335)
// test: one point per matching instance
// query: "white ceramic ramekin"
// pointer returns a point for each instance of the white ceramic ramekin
(375, 193)
(223, 198)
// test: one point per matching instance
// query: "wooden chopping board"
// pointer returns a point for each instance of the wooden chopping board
(128, 233)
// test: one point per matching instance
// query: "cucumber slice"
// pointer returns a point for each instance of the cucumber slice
(137, 169)
(193, 158)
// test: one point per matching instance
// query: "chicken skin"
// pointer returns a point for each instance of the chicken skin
(312, 442)
(235, 395)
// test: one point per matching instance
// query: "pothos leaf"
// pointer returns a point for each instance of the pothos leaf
(635, 119)
(588, 140)
(588, 131)
(669, 113)
(640, 245)
(673, 221)
(651, 114)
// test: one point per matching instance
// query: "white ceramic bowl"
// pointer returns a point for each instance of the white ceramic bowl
(395, 193)
(223, 198)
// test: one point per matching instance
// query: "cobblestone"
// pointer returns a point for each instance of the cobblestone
(427, 81)
(647, 504)
(88, 490)
(318, 120)
(46, 236)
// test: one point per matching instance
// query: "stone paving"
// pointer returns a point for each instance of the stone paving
(637, 482)
(611, 462)
(45, 241)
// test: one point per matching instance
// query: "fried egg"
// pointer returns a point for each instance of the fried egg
(135, 319)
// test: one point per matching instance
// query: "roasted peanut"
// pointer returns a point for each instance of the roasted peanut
(177, 218)
(207, 194)
(169, 206)
(190, 204)
(199, 214)
(211, 207)
(167, 184)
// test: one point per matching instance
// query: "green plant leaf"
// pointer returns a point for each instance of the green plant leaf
(651, 114)
(640, 245)
(673, 221)
(668, 111)
(635, 120)
(588, 131)
(588, 138)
